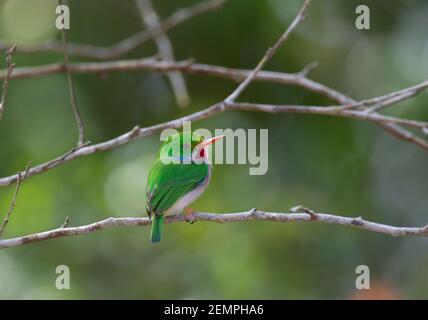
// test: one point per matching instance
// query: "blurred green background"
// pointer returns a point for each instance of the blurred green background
(331, 165)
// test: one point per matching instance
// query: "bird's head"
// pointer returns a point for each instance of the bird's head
(200, 151)
(187, 145)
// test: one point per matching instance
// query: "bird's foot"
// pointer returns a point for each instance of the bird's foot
(188, 215)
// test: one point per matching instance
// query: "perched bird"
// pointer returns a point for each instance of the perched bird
(171, 187)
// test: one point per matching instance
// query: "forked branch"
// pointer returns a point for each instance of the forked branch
(7, 76)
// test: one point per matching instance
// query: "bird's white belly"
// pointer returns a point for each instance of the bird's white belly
(190, 197)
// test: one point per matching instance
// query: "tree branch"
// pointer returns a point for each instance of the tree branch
(269, 53)
(228, 73)
(72, 91)
(386, 121)
(389, 99)
(122, 47)
(166, 53)
(238, 75)
(331, 111)
(186, 66)
(8, 73)
(251, 215)
(20, 179)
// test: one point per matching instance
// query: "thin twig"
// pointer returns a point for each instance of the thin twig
(389, 99)
(21, 178)
(77, 115)
(251, 215)
(124, 46)
(269, 53)
(308, 69)
(66, 222)
(166, 52)
(10, 66)
(385, 104)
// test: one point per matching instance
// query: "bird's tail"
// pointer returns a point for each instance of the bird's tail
(157, 225)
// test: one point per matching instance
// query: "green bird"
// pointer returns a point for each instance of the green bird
(171, 187)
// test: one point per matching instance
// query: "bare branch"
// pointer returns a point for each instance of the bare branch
(269, 53)
(331, 111)
(9, 70)
(89, 51)
(252, 215)
(166, 53)
(184, 66)
(389, 99)
(389, 124)
(20, 179)
(308, 69)
(188, 66)
(404, 135)
(213, 110)
(41, 168)
(72, 91)
(385, 104)
(127, 137)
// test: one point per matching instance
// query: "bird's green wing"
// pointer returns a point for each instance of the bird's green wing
(167, 183)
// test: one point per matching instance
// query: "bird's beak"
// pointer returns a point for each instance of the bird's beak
(207, 142)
